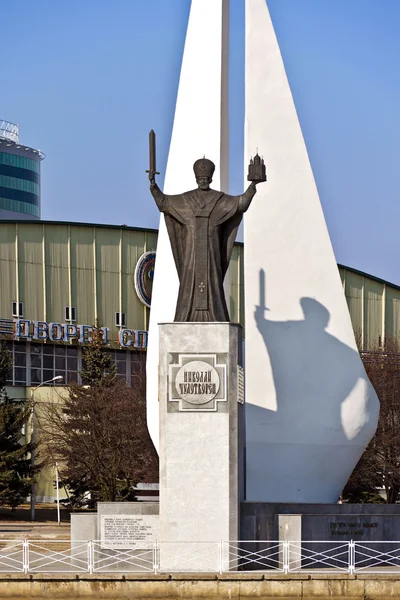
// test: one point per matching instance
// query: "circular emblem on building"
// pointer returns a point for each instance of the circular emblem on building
(197, 382)
(144, 273)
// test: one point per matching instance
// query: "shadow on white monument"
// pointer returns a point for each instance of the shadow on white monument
(314, 375)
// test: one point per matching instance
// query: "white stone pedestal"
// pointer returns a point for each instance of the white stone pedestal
(201, 442)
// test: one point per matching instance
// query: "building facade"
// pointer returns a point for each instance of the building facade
(19, 176)
(57, 280)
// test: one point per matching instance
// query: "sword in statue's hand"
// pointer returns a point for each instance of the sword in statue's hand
(152, 155)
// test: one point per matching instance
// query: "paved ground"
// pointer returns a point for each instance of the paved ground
(17, 524)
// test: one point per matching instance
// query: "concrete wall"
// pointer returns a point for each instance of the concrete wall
(229, 587)
(322, 522)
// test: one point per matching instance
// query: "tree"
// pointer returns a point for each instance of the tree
(99, 438)
(99, 368)
(98, 434)
(379, 466)
(16, 471)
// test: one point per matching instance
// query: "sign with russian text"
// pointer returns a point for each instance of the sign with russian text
(128, 531)
(26, 330)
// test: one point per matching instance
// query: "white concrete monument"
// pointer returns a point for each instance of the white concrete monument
(200, 128)
(310, 408)
(201, 442)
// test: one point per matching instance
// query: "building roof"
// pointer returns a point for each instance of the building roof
(76, 224)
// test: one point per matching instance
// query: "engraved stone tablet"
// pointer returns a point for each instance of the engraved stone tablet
(197, 382)
(128, 531)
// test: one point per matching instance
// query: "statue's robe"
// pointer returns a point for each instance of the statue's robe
(202, 227)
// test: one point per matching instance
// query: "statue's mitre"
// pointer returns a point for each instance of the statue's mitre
(203, 168)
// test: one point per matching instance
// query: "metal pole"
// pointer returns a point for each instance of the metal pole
(32, 440)
(58, 497)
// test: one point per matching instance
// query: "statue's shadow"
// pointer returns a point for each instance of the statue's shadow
(313, 374)
(308, 421)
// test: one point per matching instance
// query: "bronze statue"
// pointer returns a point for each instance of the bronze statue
(202, 226)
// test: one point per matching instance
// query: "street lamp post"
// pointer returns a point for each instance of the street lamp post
(33, 486)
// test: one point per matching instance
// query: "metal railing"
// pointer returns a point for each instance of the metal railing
(66, 556)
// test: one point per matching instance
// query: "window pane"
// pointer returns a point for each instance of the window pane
(72, 364)
(47, 362)
(36, 361)
(137, 368)
(48, 374)
(72, 377)
(121, 367)
(47, 349)
(20, 375)
(36, 376)
(35, 349)
(59, 350)
(60, 362)
(19, 359)
(72, 351)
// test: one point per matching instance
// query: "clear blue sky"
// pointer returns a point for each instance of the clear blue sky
(86, 80)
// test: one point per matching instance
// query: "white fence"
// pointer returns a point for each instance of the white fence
(64, 556)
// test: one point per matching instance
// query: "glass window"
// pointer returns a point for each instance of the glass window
(17, 183)
(36, 376)
(60, 362)
(121, 367)
(17, 309)
(20, 359)
(70, 313)
(137, 364)
(19, 206)
(36, 361)
(48, 374)
(72, 377)
(72, 364)
(47, 361)
(23, 162)
(20, 375)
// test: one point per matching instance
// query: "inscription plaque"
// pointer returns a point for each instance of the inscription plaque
(128, 531)
(197, 382)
